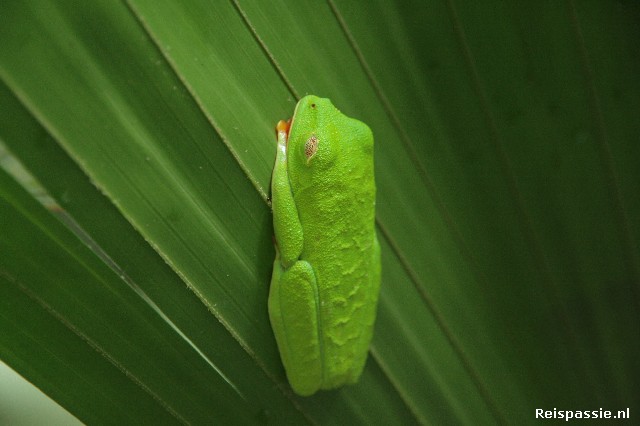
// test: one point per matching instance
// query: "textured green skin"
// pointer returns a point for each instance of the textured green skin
(326, 275)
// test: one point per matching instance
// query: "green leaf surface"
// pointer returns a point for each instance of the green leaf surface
(88, 304)
(506, 165)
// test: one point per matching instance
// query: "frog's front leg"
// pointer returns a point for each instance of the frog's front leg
(286, 223)
(293, 310)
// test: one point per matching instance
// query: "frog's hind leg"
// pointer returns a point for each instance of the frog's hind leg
(293, 310)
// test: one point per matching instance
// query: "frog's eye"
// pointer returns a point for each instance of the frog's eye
(311, 147)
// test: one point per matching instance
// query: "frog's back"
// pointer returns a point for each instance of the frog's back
(337, 213)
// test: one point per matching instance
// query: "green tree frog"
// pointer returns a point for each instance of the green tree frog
(326, 274)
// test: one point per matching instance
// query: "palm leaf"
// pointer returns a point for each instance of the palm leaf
(506, 152)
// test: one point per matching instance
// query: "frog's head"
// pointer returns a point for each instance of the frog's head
(323, 142)
(320, 134)
(310, 143)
